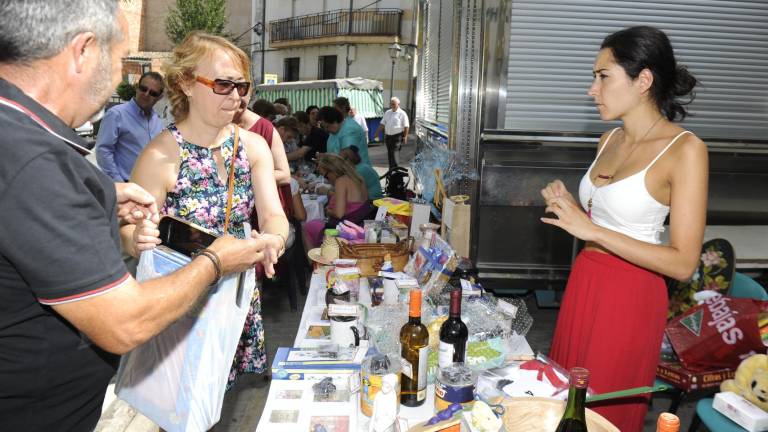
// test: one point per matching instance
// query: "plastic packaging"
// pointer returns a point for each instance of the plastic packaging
(177, 378)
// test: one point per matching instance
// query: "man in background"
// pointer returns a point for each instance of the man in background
(395, 124)
(127, 128)
(343, 132)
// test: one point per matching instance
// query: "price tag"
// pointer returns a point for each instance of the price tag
(508, 308)
(381, 213)
(335, 309)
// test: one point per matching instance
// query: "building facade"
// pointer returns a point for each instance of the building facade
(150, 46)
(323, 39)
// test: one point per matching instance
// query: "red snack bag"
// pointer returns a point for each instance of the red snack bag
(718, 333)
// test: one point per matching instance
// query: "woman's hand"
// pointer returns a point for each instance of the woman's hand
(145, 236)
(274, 246)
(556, 189)
(570, 215)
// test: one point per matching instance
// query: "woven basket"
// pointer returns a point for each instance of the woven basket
(370, 256)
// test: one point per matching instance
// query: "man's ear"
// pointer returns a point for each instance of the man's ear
(645, 80)
(80, 48)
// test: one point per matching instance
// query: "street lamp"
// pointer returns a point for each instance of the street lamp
(394, 52)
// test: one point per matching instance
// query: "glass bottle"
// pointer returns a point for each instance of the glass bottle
(453, 334)
(668, 422)
(414, 342)
(574, 418)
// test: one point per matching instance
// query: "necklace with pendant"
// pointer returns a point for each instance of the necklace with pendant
(609, 177)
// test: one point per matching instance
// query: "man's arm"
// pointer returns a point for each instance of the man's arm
(378, 131)
(129, 314)
(405, 135)
(106, 142)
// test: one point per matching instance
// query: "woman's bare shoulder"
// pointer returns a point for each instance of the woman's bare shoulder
(162, 148)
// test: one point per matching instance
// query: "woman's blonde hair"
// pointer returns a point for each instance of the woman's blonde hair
(180, 69)
(339, 166)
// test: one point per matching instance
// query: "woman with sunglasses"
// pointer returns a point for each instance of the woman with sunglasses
(187, 167)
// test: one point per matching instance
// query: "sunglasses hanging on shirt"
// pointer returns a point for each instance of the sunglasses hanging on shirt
(224, 87)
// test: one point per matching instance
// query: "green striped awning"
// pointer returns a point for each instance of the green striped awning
(369, 103)
(364, 95)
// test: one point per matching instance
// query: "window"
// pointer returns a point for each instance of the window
(326, 67)
(291, 69)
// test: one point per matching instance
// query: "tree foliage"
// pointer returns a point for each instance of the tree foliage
(189, 15)
(126, 91)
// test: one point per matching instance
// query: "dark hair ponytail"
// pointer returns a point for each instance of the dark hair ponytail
(644, 47)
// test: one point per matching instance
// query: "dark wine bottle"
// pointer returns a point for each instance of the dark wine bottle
(574, 419)
(414, 340)
(453, 334)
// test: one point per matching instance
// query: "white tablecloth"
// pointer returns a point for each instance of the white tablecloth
(313, 309)
(315, 207)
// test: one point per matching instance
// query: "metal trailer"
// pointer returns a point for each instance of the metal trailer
(495, 84)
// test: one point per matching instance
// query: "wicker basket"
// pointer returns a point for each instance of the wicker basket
(370, 256)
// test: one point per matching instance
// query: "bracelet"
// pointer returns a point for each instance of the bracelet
(282, 248)
(211, 255)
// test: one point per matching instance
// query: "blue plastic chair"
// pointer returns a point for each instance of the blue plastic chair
(742, 286)
(712, 419)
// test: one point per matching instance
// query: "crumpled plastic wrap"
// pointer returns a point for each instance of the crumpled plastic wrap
(453, 168)
(384, 323)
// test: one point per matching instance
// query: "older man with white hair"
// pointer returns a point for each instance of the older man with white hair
(395, 124)
(68, 306)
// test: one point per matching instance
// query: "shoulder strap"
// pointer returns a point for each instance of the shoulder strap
(607, 140)
(666, 148)
(176, 134)
(231, 181)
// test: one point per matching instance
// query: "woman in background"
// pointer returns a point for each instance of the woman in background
(614, 310)
(349, 198)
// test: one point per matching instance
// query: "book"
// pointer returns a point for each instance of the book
(688, 380)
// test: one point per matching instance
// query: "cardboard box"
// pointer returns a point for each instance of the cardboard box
(741, 411)
(688, 380)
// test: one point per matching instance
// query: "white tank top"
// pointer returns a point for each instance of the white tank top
(626, 206)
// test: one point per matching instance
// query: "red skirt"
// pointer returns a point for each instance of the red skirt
(611, 322)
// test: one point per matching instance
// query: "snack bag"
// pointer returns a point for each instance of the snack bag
(717, 333)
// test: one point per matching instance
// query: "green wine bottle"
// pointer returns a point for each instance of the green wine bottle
(574, 419)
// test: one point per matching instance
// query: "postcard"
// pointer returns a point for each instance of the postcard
(329, 424)
(284, 416)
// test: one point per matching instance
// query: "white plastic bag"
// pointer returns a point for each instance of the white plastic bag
(178, 378)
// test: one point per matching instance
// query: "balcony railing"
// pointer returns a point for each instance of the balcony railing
(378, 22)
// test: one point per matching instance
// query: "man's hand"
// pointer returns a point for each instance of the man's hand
(134, 204)
(238, 255)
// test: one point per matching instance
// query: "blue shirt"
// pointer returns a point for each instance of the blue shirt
(372, 181)
(350, 133)
(124, 132)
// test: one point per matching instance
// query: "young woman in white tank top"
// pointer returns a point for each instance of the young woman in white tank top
(614, 308)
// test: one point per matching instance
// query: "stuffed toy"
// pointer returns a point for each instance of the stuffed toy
(751, 380)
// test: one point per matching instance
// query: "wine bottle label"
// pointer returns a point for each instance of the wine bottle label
(423, 355)
(421, 395)
(407, 368)
(445, 354)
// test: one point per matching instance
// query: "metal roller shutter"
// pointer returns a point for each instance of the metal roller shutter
(552, 46)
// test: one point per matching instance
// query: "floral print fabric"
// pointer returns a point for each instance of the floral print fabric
(200, 196)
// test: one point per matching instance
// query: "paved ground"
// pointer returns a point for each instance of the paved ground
(244, 403)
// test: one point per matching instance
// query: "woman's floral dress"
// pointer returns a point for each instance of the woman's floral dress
(200, 197)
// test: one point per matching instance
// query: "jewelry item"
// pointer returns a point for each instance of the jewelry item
(609, 177)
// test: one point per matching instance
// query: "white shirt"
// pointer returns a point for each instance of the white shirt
(359, 119)
(395, 121)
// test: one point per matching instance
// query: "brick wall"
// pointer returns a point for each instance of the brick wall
(134, 13)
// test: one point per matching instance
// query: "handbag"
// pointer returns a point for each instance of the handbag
(178, 378)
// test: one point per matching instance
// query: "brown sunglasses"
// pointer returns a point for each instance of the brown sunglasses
(224, 87)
